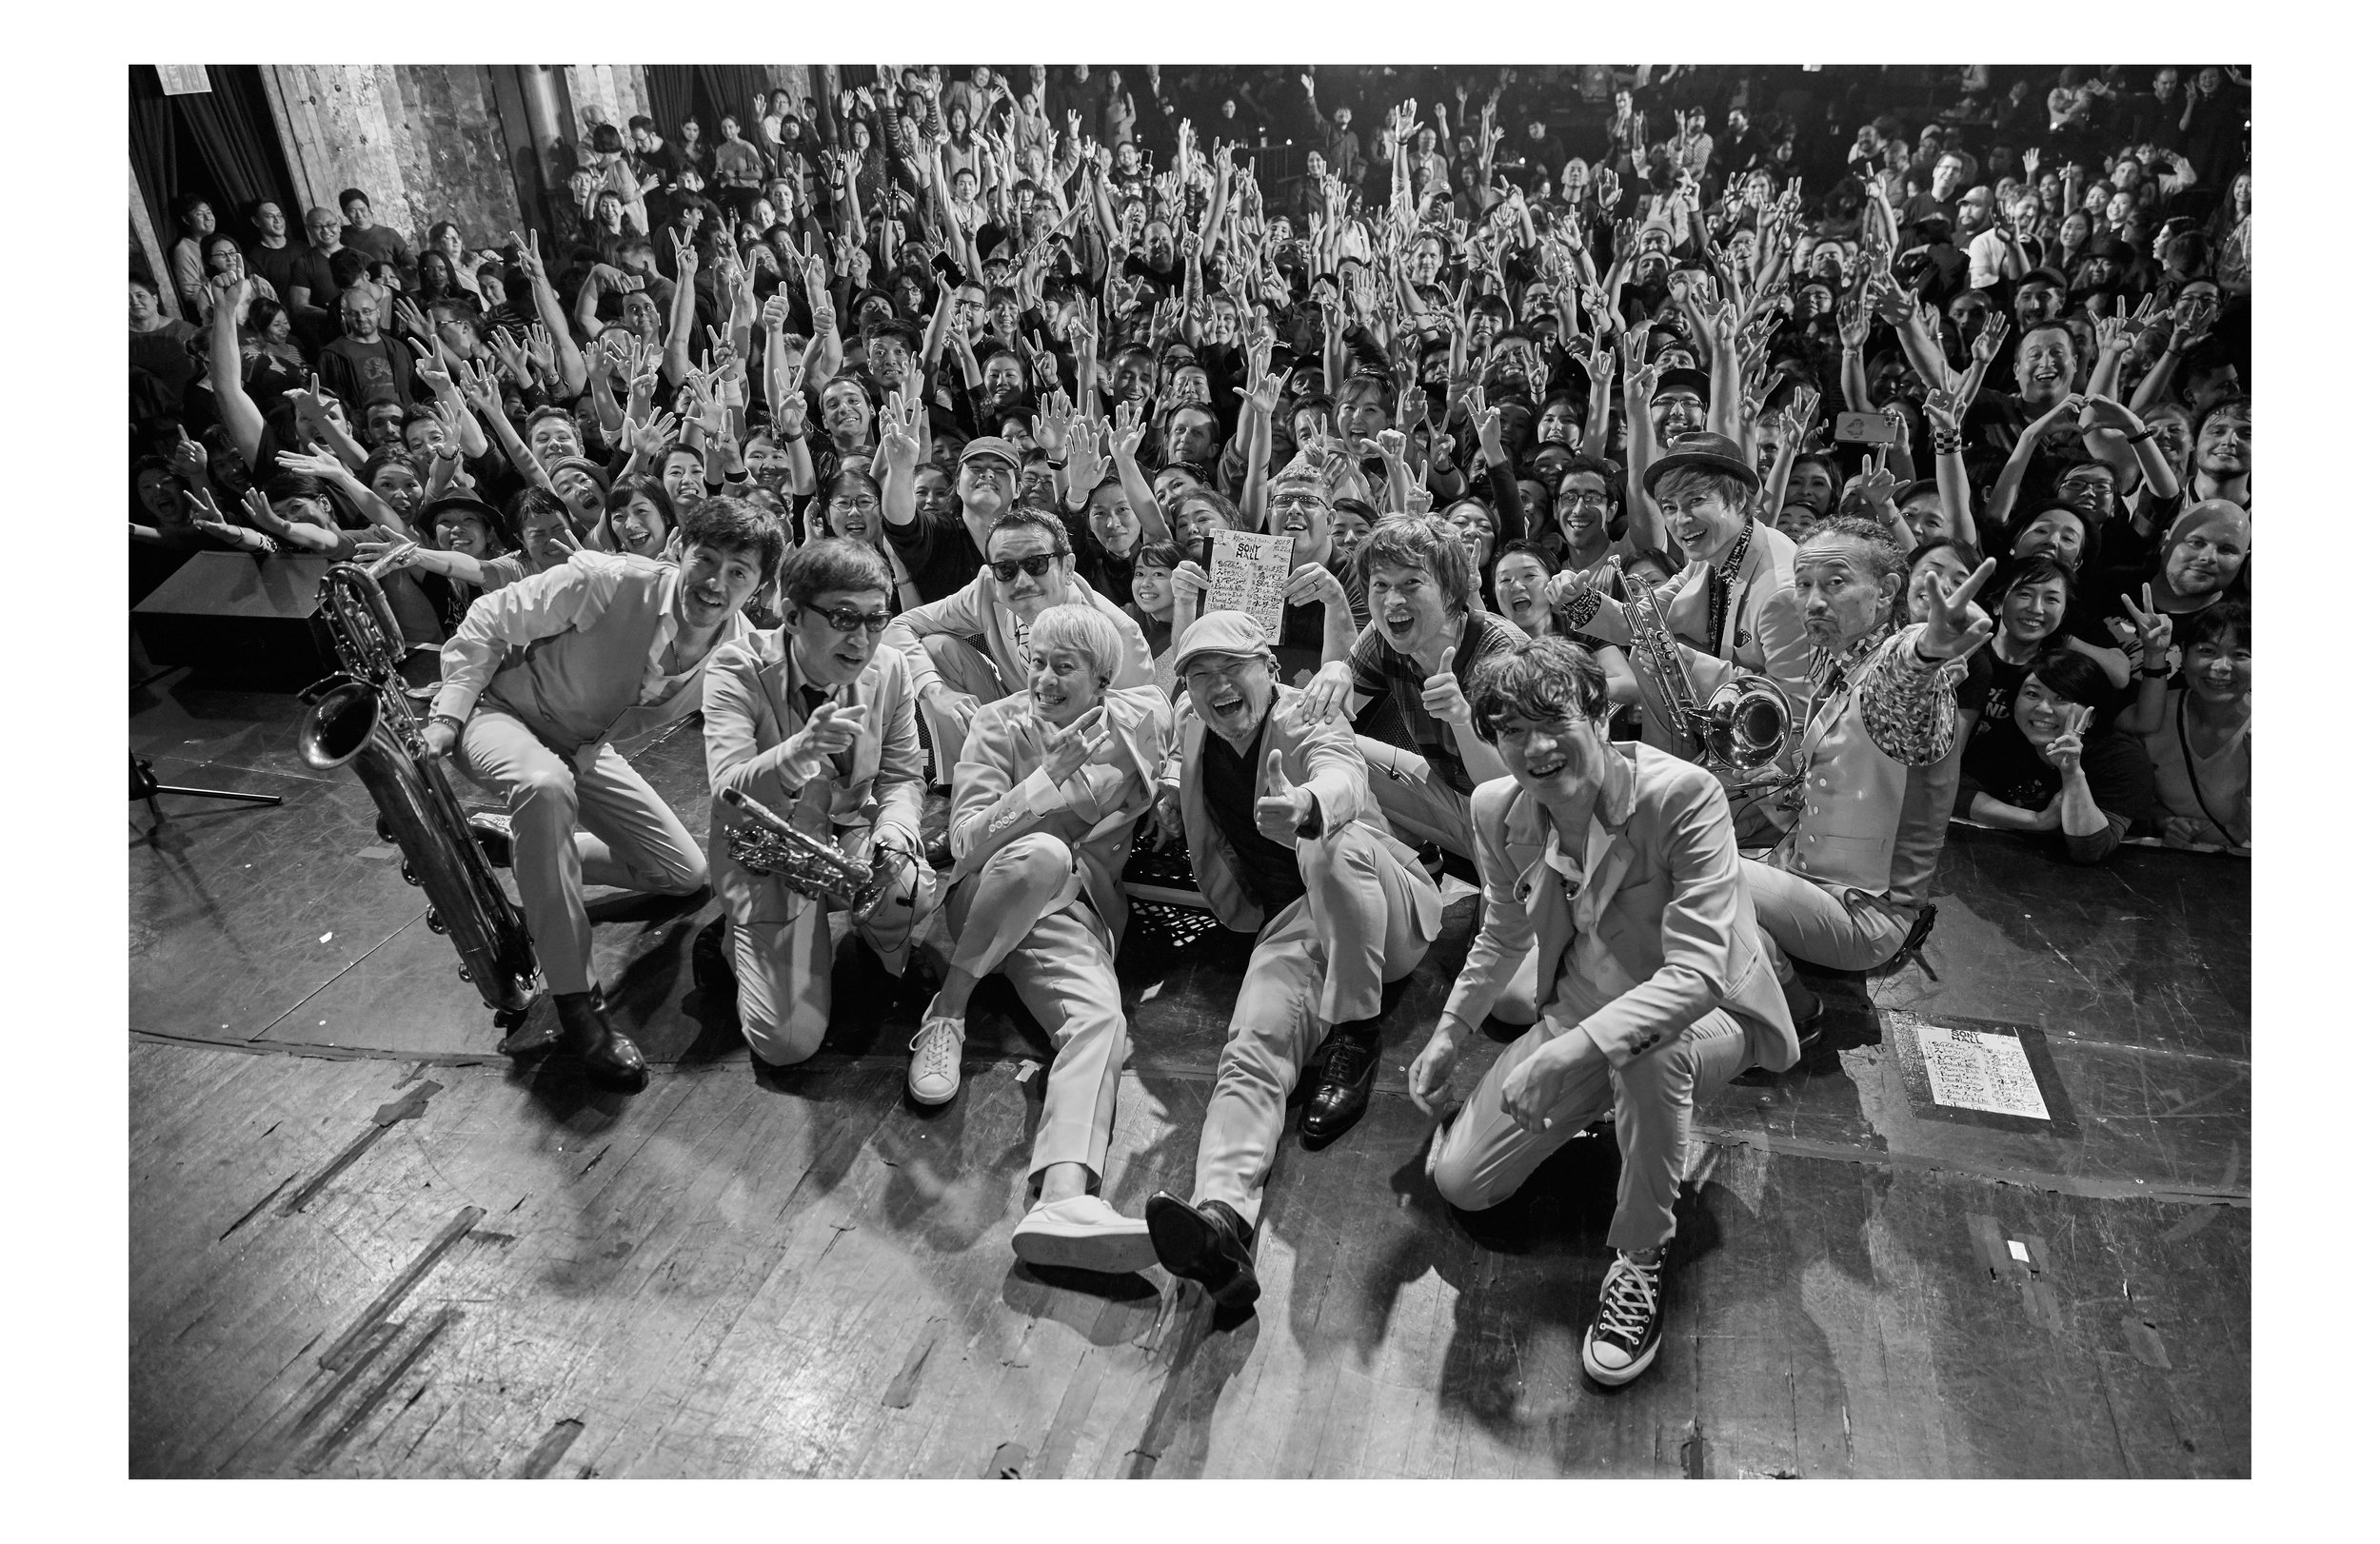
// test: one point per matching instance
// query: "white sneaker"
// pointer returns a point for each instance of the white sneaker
(1085, 1233)
(933, 1060)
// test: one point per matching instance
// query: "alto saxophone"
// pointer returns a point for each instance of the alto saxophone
(1739, 734)
(362, 718)
(818, 869)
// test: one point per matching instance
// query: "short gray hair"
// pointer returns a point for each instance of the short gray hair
(1083, 630)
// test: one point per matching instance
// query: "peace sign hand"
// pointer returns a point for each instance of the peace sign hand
(2154, 628)
(1954, 625)
(2065, 751)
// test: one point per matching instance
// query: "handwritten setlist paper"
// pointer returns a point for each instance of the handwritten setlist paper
(1977, 1070)
(1249, 573)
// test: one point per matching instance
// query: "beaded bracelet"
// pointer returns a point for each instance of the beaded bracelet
(1580, 610)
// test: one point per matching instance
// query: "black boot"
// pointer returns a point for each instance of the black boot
(714, 977)
(494, 835)
(612, 1059)
(1351, 1053)
(1206, 1243)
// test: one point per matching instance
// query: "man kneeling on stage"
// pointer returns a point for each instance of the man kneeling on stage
(1284, 836)
(1619, 863)
(817, 723)
(620, 645)
(1046, 795)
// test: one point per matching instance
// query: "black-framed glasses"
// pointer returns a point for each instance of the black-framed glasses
(844, 620)
(851, 507)
(1005, 569)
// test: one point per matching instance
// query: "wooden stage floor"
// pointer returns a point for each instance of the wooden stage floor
(364, 1242)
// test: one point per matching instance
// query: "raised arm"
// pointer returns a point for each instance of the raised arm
(238, 411)
(569, 362)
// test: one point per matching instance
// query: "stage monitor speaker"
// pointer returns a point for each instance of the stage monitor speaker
(240, 621)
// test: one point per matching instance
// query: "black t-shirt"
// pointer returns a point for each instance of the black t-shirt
(1988, 691)
(1106, 573)
(941, 555)
(1300, 647)
(279, 265)
(2123, 782)
(1265, 869)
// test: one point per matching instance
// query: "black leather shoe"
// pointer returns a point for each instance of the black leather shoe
(612, 1059)
(1207, 1245)
(714, 977)
(494, 835)
(1344, 1088)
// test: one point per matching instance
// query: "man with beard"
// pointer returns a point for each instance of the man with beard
(816, 722)
(967, 647)
(620, 644)
(1847, 885)
(1287, 842)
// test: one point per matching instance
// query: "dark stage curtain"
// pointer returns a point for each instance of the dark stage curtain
(732, 89)
(233, 127)
(152, 155)
(670, 89)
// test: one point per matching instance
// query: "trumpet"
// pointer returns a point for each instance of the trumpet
(361, 718)
(1739, 733)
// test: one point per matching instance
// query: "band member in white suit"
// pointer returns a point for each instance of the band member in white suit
(968, 647)
(1046, 795)
(816, 722)
(1653, 986)
(1285, 837)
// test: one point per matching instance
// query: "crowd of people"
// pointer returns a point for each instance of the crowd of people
(893, 432)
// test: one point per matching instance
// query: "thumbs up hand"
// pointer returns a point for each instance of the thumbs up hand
(1281, 806)
(1441, 694)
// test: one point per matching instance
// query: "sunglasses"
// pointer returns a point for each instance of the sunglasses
(844, 619)
(1005, 570)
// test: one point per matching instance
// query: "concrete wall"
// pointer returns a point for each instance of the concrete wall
(422, 140)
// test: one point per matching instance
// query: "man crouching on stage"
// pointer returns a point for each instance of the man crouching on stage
(1619, 863)
(1046, 795)
(816, 722)
(1284, 836)
(621, 642)
(1847, 886)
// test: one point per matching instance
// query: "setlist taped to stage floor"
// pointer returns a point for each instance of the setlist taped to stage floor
(1977, 1070)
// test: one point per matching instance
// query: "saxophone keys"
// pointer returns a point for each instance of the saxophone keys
(429, 919)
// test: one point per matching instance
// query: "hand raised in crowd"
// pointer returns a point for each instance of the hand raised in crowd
(2065, 751)
(1954, 625)
(2150, 639)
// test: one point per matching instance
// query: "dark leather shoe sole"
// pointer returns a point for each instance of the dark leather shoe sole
(1192, 1245)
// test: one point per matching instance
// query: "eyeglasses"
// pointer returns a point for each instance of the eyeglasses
(844, 619)
(1006, 569)
(1583, 500)
(851, 507)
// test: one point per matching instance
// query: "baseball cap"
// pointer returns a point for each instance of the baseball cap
(1693, 381)
(1234, 633)
(995, 447)
(2043, 275)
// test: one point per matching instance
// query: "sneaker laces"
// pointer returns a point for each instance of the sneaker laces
(1629, 1301)
(940, 1038)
